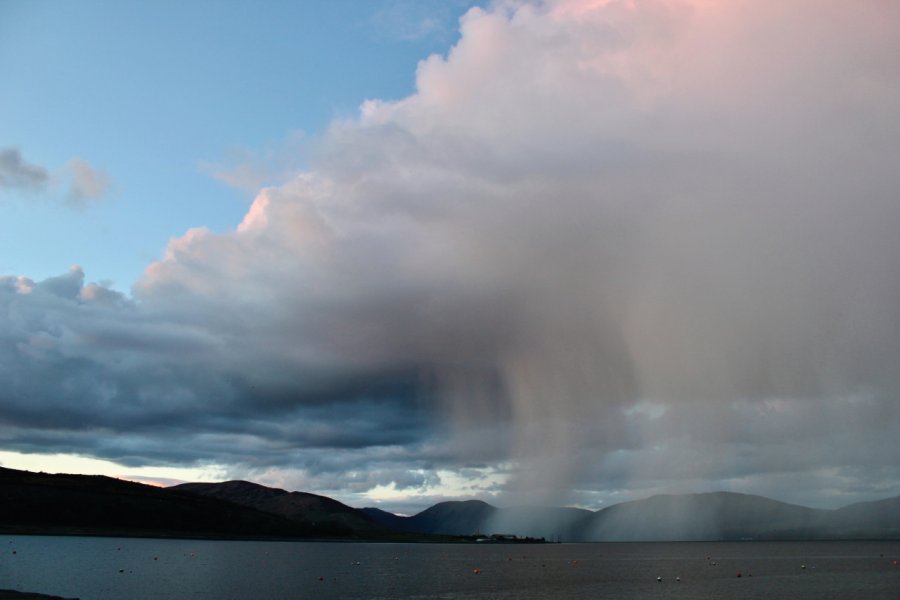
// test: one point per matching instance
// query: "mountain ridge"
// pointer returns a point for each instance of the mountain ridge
(706, 516)
(92, 505)
(298, 506)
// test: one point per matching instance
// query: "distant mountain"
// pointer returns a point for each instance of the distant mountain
(387, 519)
(550, 523)
(710, 516)
(83, 504)
(713, 516)
(467, 517)
(470, 517)
(307, 509)
(880, 518)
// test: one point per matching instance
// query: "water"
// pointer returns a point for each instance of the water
(138, 569)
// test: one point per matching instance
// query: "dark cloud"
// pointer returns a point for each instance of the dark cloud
(17, 173)
(601, 253)
(85, 182)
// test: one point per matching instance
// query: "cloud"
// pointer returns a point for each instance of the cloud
(16, 173)
(88, 183)
(249, 170)
(413, 21)
(85, 182)
(605, 248)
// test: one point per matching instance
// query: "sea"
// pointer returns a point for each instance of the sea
(96, 568)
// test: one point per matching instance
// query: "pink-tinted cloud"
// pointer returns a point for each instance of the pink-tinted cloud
(87, 182)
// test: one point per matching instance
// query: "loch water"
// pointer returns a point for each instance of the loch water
(93, 568)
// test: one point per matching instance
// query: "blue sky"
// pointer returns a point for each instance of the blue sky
(538, 251)
(160, 96)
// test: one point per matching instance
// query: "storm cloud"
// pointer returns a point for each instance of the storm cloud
(605, 249)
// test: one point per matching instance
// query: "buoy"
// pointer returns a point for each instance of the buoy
(321, 579)
(802, 566)
(659, 578)
(739, 574)
(678, 579)
(476, 571)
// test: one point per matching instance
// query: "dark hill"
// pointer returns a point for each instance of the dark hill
(466, 517)
(387, 519)
(710, 516)
(550, 523)
(84, 504)
(307, 509)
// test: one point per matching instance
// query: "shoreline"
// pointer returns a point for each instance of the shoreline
(16, 595)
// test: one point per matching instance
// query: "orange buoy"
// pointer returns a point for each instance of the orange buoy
(476, 571)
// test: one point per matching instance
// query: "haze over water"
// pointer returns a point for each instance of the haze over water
(145, 569)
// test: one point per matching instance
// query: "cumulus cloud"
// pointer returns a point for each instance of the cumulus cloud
(17, 173)
(605, 247)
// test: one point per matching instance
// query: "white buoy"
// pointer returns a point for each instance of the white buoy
(659, 578)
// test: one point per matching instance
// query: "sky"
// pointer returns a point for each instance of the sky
(569, 252)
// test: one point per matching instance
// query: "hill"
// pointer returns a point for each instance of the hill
(880, 518)
(712, 516)
(82, 504)
(471, 517)
(687, 517)
(467, 517)
(86, 504)
(310, 510)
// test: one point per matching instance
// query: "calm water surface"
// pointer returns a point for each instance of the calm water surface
(138, 569)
